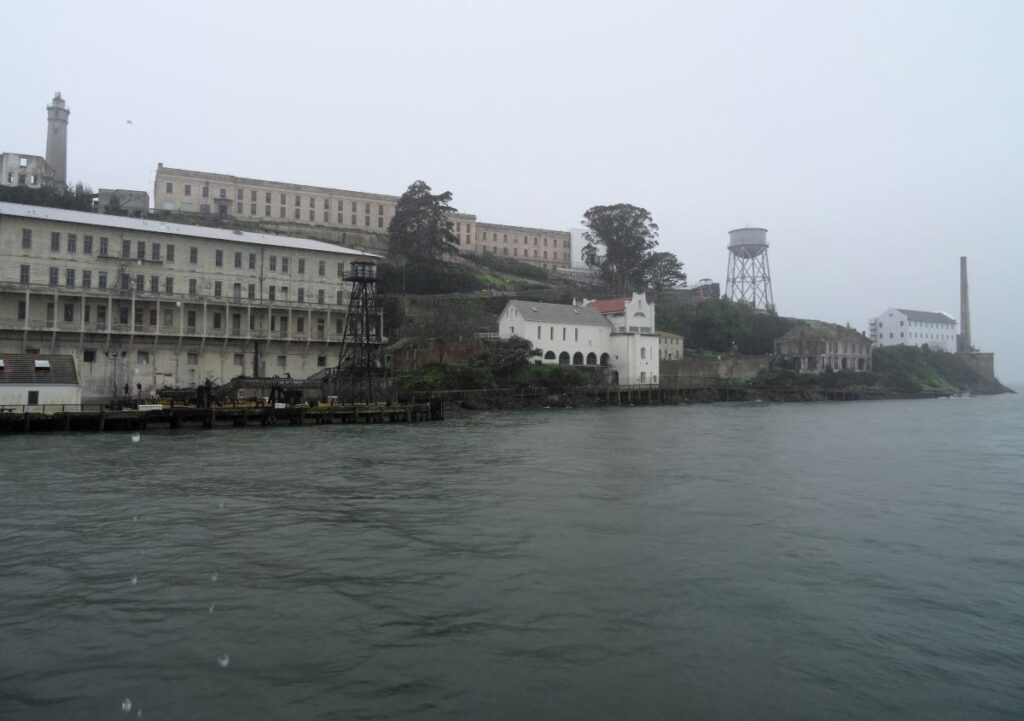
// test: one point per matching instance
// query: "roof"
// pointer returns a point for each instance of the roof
(558, 313)
(19, 368)
(666, 334)
(926, 316)
(140, 225)
(612, 305)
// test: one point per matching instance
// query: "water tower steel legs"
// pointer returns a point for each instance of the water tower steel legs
(749, 280)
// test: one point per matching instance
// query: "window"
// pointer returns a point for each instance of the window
(238, 359)
(284, 292)
(141, 250)
(564, 330)
(552, 334)
(236, 323)
(284, 264)
(156, 251)
(302, 265)
(266, 210)
(643, 353)
(320, 296)
(252, 209)
(216, 288)
(538, 332)
(89, 355)
(193, 287)
(193, 359)
(321, 360)
(126, 248)
(216, 319)
(26, 238)
(238, 260)
(238, 208)
(55, 242)
(252, 261)
(300, 324)
(104, 245)
(72, 243)
(191, 320)
(101, 315)
(168, 317)
(140, 282)
(341, 298)
(218, 258)
(188, 189)
(87, 279)
(252, 291)
(169, 187)
(87, 245)
(33, 398)
(272, 292)
(240, 194)
(125, 280)
(152, 316)
(69, 312)
(49, 312)
(21, 310)
(282, 361)
(273, 263)
(302, 295)
(154, 284)
(24, 274)
(169, 284)
(101, 280)
(170, 253)
(576, 333)
(54, 275)
(312, 215)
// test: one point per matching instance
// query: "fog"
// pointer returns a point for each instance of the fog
(876, 141)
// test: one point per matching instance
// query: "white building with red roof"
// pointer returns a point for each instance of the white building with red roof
(617, 333)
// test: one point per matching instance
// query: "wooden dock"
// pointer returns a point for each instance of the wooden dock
(98, 418)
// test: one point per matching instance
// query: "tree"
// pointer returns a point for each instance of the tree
(420, 229)
(620, 243)
(663, 271)
(504, 356)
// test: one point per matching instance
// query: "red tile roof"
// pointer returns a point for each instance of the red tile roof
(613, 305)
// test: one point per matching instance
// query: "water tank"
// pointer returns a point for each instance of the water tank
(748, 242)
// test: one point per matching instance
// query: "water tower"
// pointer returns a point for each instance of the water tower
(748, 279)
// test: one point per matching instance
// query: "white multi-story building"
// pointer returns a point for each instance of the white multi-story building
(349, 217)
(617, 334)
(898, 326)
(145, 304)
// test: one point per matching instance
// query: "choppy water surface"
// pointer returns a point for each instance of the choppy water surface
(818, 561)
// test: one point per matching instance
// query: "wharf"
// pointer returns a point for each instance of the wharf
(100, 418)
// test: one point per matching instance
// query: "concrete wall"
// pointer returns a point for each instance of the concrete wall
(724, 367)
(16, 394)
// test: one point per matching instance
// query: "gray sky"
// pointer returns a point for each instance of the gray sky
(877, 141)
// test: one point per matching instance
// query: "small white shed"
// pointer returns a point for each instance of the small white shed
(38, 382)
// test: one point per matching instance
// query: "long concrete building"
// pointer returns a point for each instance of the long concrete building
(348, 217)
(145, 304)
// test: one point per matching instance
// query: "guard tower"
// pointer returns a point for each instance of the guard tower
(57, 139)
(361, 360)
(748, 279)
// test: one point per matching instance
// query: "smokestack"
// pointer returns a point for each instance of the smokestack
(965, 309)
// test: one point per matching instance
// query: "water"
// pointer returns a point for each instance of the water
(817, 561)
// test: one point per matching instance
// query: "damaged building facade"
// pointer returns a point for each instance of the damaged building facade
(814, 347)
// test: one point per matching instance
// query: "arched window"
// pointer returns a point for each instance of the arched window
(577, 359)
(605, 359)
(591, 359)
(563, 358)
(550, 355)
